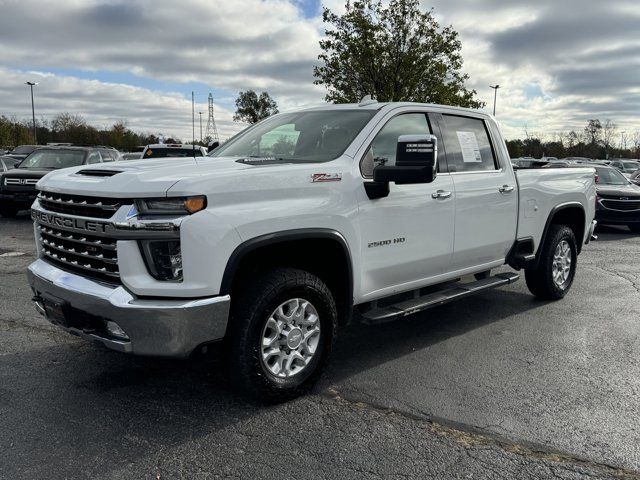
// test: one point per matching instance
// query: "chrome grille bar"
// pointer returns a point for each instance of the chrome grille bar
(81, 239)
(72, 251)
(20, 181)
(76, 264)
(93, 255)
(78, 205)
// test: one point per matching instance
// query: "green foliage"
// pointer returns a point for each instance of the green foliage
(251, 108)
(398, 53)
(69, 128)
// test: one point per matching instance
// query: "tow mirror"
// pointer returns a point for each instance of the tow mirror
(416, 162)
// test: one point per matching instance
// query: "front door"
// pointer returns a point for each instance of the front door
(407, 237)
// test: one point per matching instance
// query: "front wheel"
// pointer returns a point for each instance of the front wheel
(553, 277)
(281, 329)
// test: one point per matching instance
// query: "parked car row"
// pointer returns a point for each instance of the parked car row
(617, 200)
(21, 168)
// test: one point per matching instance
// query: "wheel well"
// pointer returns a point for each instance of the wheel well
(327, 258)
(574, 218)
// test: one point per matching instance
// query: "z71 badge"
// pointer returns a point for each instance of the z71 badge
(326, 177)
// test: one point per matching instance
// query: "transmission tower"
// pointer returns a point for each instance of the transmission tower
(212, 131)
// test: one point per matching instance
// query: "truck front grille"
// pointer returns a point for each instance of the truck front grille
(86, 254)
(95, 207)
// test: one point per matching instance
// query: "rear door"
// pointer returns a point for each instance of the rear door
(486, 193)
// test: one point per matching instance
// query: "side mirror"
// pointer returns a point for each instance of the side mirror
(213, 146)
(416, 162)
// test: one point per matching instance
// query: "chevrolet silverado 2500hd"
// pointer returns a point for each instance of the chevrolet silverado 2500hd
(294, 227)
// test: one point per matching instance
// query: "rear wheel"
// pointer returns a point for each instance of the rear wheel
(8, 211)
(282, 327)
(553, 277)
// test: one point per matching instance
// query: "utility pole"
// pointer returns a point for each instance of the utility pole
(200, 113)
(623, 142)
(33, 111)
(193, 123)
(495, 96)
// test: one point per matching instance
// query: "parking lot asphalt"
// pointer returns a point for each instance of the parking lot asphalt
(495, 386)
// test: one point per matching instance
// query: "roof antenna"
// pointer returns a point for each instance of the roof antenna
(367, 100)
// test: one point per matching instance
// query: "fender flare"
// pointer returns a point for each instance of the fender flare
(547, 225)
(280, 237)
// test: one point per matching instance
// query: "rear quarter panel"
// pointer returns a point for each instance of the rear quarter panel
(542, 190)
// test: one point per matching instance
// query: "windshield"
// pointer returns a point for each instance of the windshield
(630, 167)
(610, 176)
(316, 136)
(172, 152)
(54, 159)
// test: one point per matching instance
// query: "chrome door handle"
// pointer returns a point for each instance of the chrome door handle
(507, 188)
(440, 194)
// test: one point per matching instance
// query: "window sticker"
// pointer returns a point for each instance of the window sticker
(469, 147)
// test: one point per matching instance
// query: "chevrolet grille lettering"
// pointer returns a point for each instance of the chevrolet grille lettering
(64, 222)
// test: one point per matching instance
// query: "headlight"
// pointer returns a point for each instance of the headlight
(163, 259)
(172, 206)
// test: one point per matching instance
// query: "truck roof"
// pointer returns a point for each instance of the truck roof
(380, 105)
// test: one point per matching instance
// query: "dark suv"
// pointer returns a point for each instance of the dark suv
(18, 185)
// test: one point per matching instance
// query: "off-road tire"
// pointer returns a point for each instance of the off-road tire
(540, 279)
(251, 307)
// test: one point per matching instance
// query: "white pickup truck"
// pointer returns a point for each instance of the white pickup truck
(296, 226)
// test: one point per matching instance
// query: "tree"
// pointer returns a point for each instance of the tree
(251, 108)
(608, 133)
(398, 53)
(592, 131)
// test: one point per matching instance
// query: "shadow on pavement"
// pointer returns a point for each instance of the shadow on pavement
(103, 409)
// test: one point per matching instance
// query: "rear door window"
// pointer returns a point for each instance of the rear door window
(468, 145)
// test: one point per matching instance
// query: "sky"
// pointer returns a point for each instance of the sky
(558, 62)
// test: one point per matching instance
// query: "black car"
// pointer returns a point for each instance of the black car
(618, 200)
(18, 186)
(7, 163)
(22, 152)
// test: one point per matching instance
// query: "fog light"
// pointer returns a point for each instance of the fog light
(115, 331)
(163, 258)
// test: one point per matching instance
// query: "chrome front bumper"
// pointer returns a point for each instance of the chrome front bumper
(157, 327)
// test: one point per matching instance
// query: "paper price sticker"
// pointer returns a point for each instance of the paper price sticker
(469, 147)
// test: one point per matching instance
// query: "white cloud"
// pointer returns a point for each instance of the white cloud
(102, 104)
(558, 63)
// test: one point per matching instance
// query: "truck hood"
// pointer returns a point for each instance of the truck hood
(137, 178)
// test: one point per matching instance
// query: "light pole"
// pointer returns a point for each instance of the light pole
(495, 96)
(200, 113)
(623, 142)
(33, 111)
